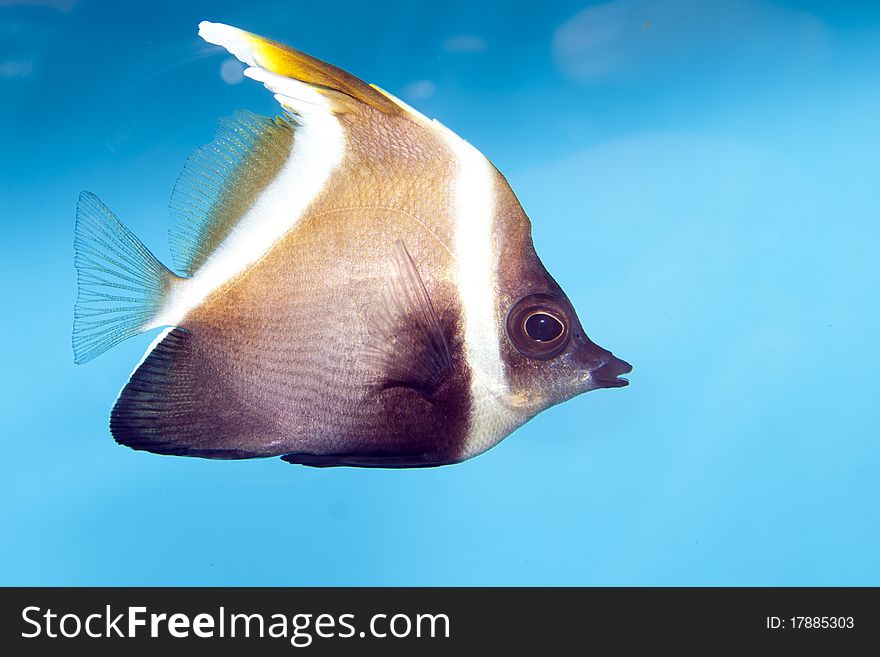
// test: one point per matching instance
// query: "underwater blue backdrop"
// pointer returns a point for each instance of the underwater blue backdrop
(703, 182)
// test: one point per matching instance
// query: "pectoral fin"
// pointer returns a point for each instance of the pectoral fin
(406, 345)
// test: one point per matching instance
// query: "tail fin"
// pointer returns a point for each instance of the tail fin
(120, 283)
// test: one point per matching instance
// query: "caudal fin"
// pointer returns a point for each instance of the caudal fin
(120, 284)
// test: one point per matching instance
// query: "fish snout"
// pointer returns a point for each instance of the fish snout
(599, 368)
(608, 374)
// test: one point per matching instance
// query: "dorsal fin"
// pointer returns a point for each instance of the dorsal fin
(275, 64)
(221, 180)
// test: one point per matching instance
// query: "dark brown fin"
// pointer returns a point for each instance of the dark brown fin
(363, 461)
(176, 403)
(406, 345)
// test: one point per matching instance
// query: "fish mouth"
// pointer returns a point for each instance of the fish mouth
(608, 374)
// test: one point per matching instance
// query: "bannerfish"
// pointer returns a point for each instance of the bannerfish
(357, 286)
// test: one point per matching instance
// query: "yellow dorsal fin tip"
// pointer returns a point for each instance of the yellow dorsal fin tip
(236, 41)
(281, 60)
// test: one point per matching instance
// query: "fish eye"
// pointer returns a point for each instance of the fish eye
(543, 327)
(538, 326)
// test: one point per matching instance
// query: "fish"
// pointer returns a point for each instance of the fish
(354, 285)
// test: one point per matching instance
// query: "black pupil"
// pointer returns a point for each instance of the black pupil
(543, 328)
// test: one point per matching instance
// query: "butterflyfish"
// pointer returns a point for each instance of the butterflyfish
(353, 284)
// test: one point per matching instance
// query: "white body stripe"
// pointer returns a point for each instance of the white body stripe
(477, 286)
(155, 343)
(318, 148)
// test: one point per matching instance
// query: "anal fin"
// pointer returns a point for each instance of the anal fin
(176, 402)
(363, 461)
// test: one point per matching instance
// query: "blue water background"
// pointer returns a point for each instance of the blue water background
(703, 182)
